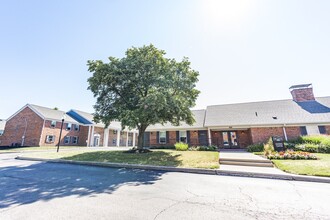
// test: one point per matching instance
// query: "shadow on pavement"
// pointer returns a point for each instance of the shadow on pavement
(46, 181)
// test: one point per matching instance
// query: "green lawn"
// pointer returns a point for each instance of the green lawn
(193, 159)
(320, 167)
(41, 148)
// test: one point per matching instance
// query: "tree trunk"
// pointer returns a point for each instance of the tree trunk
(142, 130)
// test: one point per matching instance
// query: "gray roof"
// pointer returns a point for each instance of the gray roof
(199, 116)
(90, 117)
(262, 113)
(2, 124)
(52, 114)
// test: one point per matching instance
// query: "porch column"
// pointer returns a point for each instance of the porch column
(127, 139)
(134, 134)
(118, 138)
(106, 137)
(92, 137)
(88, 137)
(284, 132)
(209, 135)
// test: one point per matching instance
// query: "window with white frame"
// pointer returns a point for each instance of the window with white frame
(50, 138)
(162, 137)
(183, 136)
(74, 140)
(1, 132)
(114, 141)
(67, 140)
(114, 131)
(53, 124)
(68, 126)
(76, 127)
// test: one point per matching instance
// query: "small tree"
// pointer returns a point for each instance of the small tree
(142, 89)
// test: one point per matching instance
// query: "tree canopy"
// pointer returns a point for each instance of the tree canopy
(143, 88)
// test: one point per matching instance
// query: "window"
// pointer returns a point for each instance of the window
(1, 132)
(114, 141)
(130, 134)
(162, 137)
(68, 126)
(130, 143)
(114, 131)
(50, 138)
(74, 140)
(67, 140)
(121, 133)
(322, 130)
(76, 127)
(303, 130)
(53, 124)
(183, 136)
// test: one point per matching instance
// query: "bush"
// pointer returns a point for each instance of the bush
(312, 148)
(204, 148)
(291, 155)
(181, 146)
(255, 148)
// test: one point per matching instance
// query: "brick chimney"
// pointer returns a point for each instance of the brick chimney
(302, 93)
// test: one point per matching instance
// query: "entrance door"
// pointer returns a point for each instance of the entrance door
(230, 139)
(202, 138)
(96, 140)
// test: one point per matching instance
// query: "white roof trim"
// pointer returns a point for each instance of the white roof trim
(30, 107)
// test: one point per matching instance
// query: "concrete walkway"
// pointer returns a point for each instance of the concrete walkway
(244, 155)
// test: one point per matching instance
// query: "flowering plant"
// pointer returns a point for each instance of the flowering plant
(291, 155)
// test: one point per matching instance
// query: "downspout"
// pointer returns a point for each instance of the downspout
(88, 136)
(284, 132)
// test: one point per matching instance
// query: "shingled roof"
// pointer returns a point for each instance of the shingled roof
(269, 113)
(199, 116)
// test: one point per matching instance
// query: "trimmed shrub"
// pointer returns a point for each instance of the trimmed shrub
(255, 148)
(203, 148)
(312, 148)
(181, 146)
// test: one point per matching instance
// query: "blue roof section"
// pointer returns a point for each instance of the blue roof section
(78, 117)
(314, 107)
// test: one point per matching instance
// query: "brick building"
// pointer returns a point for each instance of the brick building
(35, 125)
(239, 125)
(227, 126)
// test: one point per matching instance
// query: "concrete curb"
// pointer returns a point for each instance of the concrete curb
(186, 170)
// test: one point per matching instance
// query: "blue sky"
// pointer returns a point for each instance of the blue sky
(244, 50)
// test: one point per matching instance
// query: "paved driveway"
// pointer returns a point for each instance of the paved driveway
(33, 190)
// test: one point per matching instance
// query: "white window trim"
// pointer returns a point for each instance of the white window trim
(77, 127)
(47, 139)
(51, 124)
(75, 137)
(68, 138)
(160, 136)
(67, 126)
(185, 136)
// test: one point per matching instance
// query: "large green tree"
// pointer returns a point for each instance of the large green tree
(143, 88)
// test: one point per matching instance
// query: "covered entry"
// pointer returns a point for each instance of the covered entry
(230, 139)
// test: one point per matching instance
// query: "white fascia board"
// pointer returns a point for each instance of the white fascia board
(30, 107)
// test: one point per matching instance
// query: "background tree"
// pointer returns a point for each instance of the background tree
(143, 88)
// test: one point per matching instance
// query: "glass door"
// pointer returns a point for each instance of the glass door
(229, 139)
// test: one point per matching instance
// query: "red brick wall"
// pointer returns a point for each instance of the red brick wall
(327, 128)
(112, 136)
(15, 127)
(48, 130)
(292, 132)
(244, 138)
(261, 135)
(301, 95)
(216, 138)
